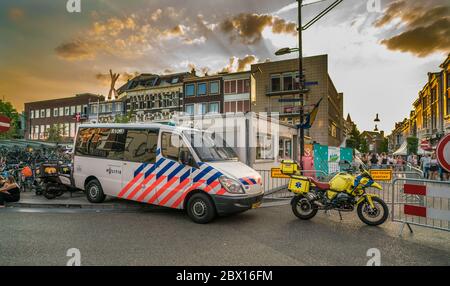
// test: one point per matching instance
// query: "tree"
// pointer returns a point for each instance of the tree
(7, 109)
(364, 147)
(126, 118)
(384, 147)
(355, 139)
(54, 134)
(412, 145)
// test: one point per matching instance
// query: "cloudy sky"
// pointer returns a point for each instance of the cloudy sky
(379, 58)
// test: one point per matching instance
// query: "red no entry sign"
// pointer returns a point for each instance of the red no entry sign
(443, 152)
(5, 123)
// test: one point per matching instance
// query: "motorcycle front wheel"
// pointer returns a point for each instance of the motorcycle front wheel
(376, 216)
(303, 208)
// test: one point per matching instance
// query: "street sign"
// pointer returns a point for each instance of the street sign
(5, 124)
(381, 175)
(443, 152)
(276, 174)
(425, 145)
(309, 83)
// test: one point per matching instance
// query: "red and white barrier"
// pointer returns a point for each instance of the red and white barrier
(431, 190)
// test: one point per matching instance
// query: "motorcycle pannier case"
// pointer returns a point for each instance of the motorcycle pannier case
(299, 185)
(288, 167)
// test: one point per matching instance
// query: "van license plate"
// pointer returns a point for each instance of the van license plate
(256, 205)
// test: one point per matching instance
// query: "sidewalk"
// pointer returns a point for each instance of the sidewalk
(79, 201)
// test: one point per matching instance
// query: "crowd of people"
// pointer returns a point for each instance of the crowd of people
(428, 164)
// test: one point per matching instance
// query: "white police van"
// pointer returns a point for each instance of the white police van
(164, 165)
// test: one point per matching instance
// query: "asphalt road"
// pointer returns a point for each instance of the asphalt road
(267, 236)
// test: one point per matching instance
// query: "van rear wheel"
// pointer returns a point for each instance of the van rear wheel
(94, 192)
(200, 208)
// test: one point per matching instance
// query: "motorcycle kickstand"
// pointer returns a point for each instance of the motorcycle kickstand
(340, 215)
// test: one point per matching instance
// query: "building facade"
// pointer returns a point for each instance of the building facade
(236, 92)
(446, 93)
(151, 97)
(63, 113)
(275, 81)
(102, 111)
(203, 95)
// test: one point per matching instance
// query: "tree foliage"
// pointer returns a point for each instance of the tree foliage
(54, 134)
(412, 145)
(7, 109)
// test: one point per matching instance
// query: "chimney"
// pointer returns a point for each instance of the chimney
(193, 72)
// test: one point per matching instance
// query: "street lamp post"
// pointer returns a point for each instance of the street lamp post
(301, 82)
(301, 78)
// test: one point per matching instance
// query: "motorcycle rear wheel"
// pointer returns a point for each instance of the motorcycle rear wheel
(367, 216)
(303, 208)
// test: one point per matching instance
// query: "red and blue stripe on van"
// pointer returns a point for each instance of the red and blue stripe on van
(168, 184)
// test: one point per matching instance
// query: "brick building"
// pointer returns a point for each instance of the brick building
(272, 81)
(236, 92)
(41, 115)
(203, 94)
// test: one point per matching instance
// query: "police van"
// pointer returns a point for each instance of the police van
(164, 165)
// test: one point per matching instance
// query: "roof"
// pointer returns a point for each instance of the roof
(66, 98)
(152, 80)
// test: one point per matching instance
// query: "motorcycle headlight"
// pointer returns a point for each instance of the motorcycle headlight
(231, 185)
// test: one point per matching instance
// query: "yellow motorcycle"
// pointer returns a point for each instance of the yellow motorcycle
(343, 193)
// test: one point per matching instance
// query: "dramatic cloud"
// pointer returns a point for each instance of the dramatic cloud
(240, 64)
(16, 14)
(248, 28)
(426, 28)
(76, 50)
(129, 36)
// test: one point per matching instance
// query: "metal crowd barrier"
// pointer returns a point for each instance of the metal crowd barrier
(420, 202)
(276, 188)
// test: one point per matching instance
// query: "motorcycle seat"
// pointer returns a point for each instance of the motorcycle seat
(320, 185)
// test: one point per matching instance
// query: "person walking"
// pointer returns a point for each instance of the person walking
(434, 167)
(425, 165)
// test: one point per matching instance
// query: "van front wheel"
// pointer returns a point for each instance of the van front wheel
(94, 192)
(200, 208)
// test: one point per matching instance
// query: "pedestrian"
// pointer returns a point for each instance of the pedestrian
(384, 160)
(425, 165)
(9, 192)
(434, 167)
(373, 160)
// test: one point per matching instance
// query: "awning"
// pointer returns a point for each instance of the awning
(403, 150)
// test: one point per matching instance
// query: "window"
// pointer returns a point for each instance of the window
(285, 148)
(332, 129)
(78, 109)
(202, 108)
(72, 130)
(189, 109)
(55, 112)
(233, 86)
(67, 111)
(31, 114)
(118, 106)
(61, 111)
(227, 87)
(214, 107)
(275, 83)
(141, 146)
(288, 82)
(48, 113)
(201, 89)
(190, 90)
(264, 147)
(240, 86)
(73, 110)
(42, 113)
(101, 142)
(171, 145)
(214, 87)
(84, 109)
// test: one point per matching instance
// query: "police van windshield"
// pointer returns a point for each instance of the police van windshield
(210, 147)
